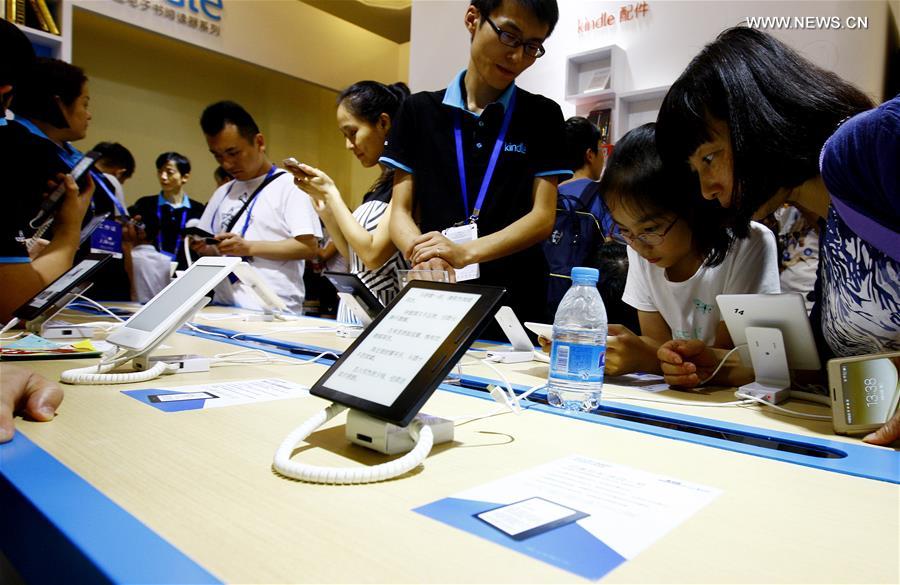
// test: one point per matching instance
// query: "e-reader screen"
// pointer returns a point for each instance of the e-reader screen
(62, 285)
(172, 298)
(398, 361)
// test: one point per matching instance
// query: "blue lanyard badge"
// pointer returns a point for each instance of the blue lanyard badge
(492, 163)
(178, 236)
(107, 238)
(254, 197)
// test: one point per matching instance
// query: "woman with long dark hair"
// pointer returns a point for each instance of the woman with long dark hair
(762, 126)
(364, 114)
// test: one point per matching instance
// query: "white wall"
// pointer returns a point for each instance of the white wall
(658, 45)
(287, 36)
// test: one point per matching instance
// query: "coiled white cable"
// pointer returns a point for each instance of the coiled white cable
(283, 464)
(98, 374)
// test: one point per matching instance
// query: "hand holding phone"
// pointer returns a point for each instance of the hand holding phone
(864, 391)
(295, 167)
(80, 173)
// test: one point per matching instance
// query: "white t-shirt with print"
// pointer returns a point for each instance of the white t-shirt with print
(280, 211)
(689, 307)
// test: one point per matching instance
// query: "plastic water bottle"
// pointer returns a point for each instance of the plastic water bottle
(579, 345)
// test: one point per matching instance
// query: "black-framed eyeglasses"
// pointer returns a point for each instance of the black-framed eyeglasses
(650, 238)
(531, 48)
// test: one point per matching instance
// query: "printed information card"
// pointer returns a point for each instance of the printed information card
(202, 396)
(580, 514)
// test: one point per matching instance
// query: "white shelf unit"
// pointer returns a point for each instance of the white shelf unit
(58, 46)
(593, 76)
(634, 108)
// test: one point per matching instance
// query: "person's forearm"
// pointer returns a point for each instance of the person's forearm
(335, 233)
(289, 249)
(403, 229)
(647, 361)
(527, 231)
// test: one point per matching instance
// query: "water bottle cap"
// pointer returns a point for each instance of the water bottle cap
(586, 275)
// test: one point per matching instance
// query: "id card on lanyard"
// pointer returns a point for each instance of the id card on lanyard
(467, 231)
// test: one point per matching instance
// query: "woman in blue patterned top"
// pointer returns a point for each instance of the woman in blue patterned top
(751, 117)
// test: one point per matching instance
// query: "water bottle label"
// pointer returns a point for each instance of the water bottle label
(577, 362)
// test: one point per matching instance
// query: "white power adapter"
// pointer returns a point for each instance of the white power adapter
(771, 394)
(390, 439)
(186, 362)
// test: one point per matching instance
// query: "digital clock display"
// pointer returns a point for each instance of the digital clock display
(870, 388)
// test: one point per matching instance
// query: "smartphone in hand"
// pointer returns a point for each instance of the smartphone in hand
(293, 165)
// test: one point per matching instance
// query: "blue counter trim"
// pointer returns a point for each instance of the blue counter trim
(860, 461)
(91, 538)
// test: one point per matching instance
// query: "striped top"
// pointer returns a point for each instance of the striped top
(383, 282)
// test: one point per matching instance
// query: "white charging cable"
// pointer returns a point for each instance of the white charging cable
(258, 356)
(722, 363)
(99, 374)
(283, 464)
(12, 323)
(779, 408)
(99, 306)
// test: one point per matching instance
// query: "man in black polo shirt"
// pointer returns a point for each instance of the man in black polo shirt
(482, 158)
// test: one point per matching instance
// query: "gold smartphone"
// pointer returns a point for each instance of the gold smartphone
(864, 391)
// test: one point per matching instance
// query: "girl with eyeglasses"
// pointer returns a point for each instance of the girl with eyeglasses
(679, 257)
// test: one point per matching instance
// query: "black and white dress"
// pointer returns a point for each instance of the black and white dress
(383, 282)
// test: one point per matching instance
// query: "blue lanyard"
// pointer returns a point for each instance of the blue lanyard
(249, 212)
(492, 163)
(70, 156)
(179, 236)
(101, 182)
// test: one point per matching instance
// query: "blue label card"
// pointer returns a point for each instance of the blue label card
(107, 238)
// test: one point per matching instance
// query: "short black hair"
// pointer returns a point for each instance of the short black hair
(47, 80)
(779, 108)
(546, 11)
(581, 135)
(181, 162)
(18, 54)
(116, 155)
(636, 176)
(217, 115)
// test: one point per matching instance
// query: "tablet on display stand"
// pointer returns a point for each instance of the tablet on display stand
(38, 312)
(396, 364)
(778, 335)
(174, 305)
(356, 295)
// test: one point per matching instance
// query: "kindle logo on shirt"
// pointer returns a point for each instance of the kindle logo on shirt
(510, 147)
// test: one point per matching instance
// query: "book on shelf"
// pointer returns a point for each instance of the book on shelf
(15, 11)
(599, 80)
(44, 17)
(601, 118)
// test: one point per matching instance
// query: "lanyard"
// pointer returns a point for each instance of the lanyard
(70, 156)
(492, 163)
(100, 180)
(252, 201)
(179, 236)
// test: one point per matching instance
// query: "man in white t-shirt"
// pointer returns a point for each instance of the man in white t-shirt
(260, 215)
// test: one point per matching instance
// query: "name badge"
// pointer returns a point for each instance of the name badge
(459, 234)
(107, 238)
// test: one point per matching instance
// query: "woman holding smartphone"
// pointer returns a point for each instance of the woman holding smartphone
(364, 113)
